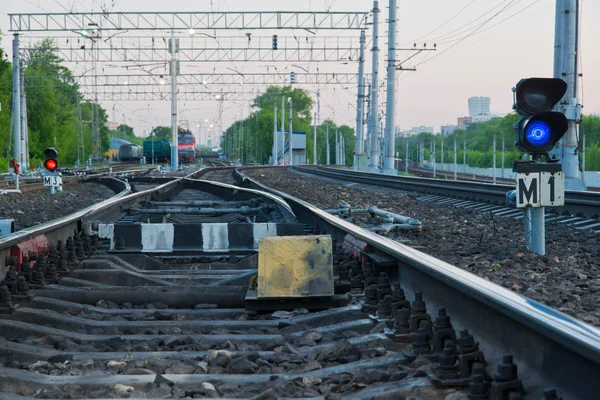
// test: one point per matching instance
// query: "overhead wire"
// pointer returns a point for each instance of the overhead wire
(501, 21)
(474, 24)
(466, 36)
(514, 22)
(442, 25)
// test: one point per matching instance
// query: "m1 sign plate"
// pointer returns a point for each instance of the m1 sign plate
(552, 189)
(540, 189)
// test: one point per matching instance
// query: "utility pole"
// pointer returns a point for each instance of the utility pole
(337, 147)
(114, 119)
(80, 149)
(242, 148)
(465, 153)
(583, 153)
(315, 141)
(16, 117)
(24, 128)
(389, 166)
(373, 161)
(369, 126)
(275, 153)
(433, 157)
(360, 102)
(342, 149)
(381, 135)
(442, 161)
(494, 159)
(318, 105)
(327, 144)
(406, 157)
(566, 41)
(455, 164)
(502, 157)
(174, 49)
(291, 133)
(96, 139)
(283, 131)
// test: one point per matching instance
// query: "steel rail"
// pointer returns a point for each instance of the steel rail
(46, 227)
(576, 202)
(57, 226)
(555, 349)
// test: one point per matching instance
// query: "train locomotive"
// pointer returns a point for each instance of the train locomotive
(186, 144)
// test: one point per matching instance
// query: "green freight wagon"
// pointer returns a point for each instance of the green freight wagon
(159, 149)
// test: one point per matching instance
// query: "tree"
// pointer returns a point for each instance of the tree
(125, 132)
(252, 138)
(5, 100)
(161, 133)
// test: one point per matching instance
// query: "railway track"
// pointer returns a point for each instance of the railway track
(28, 185)
(32, 184)
(427, 173)
(170, 308)
(581, 208)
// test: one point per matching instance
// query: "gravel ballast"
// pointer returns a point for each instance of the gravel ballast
(566, 278)
(30, 209)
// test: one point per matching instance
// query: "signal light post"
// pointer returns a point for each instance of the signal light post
(539, 183)
(53, 179)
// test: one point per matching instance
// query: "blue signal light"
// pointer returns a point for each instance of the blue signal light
(538, 133)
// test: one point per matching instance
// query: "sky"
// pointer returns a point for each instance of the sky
(483, 48)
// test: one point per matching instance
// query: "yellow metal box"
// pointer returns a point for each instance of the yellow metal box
(295, 267)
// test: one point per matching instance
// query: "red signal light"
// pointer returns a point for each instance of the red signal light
(51, 165)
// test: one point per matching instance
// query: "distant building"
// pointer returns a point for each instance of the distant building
(464, 122)
(448, 129)
(421, 129)
(479, 106)
(299, 148)
(112, 126)
(404, 133)
(484, 117)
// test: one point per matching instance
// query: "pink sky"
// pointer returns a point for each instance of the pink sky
(488, 63)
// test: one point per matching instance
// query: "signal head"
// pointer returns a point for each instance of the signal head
(541, 132)
(51, 165)
(51, 154)
(534, 95)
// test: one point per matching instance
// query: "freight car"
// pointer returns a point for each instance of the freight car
(160, 150)
(130, 152)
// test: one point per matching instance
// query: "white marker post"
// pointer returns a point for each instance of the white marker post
(539, 185)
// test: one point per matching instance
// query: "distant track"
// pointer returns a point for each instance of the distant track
(585, 204)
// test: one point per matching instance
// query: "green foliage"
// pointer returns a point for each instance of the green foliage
(125, 132)
(479, 139)
(53, 116)
(161, 133)
(251, 139)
